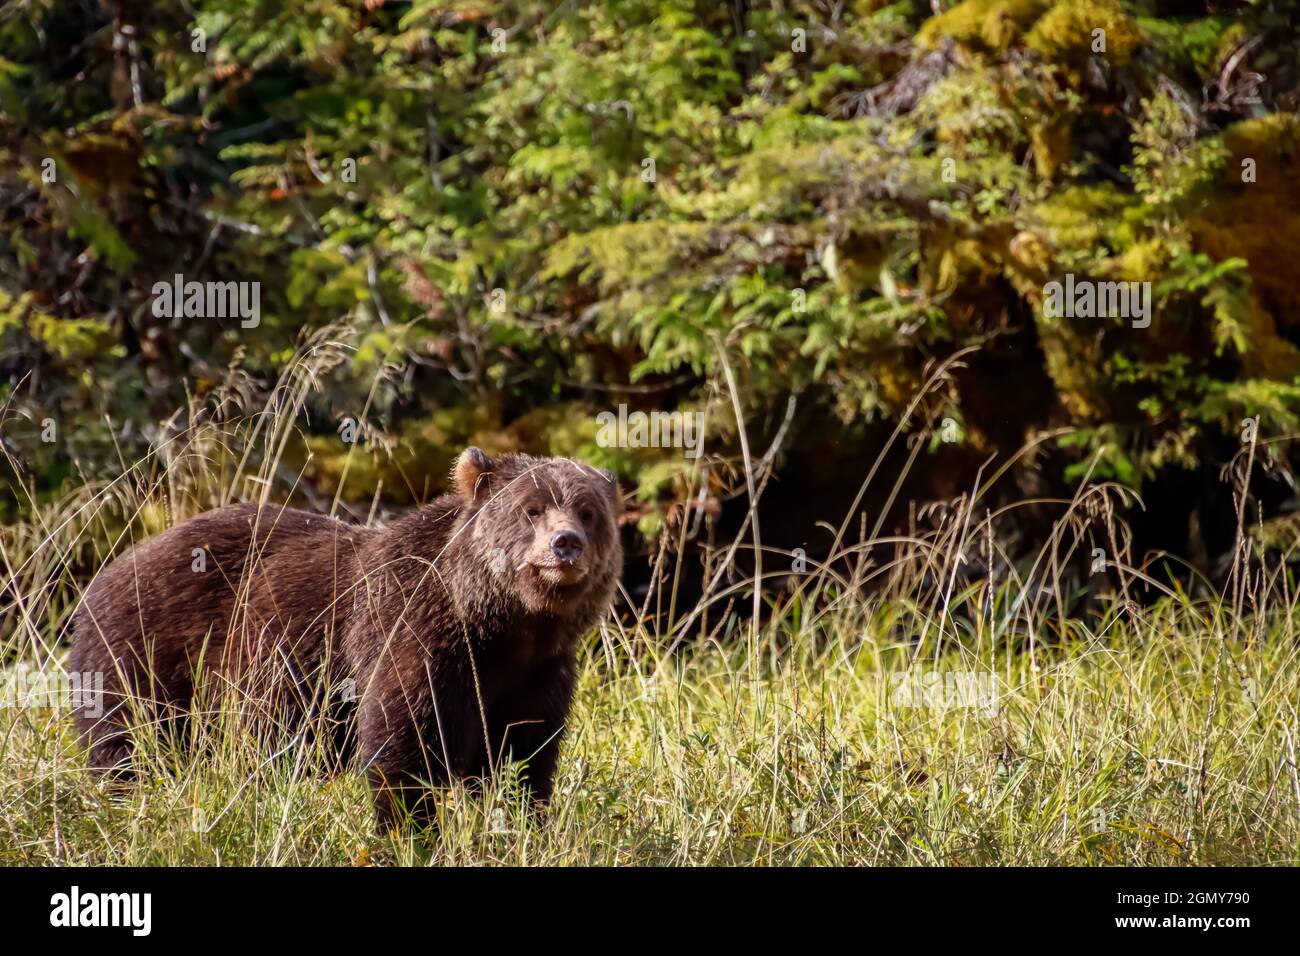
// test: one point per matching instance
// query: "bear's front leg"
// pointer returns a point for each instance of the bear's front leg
(411, 740)
(529, 724)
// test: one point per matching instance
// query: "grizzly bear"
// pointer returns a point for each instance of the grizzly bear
(440, 648)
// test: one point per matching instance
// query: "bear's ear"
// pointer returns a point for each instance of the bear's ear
(470, 476)
(609, 481)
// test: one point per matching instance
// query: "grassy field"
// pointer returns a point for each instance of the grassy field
(938, 706)
(1171, 741)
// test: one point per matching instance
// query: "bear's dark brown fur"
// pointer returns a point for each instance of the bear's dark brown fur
(446, 642)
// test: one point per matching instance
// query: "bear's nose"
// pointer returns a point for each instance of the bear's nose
(567, 546)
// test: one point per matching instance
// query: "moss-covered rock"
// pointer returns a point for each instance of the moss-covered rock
(990, 26)
(1067, 33)
(1258, 221)
(1267, 354)
(1064, 32)
(1081, 218)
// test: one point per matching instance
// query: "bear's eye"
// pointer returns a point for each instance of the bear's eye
(587, 515)
(533, 511)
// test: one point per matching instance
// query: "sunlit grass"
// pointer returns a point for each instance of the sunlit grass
(1164, 743)
(801, 729)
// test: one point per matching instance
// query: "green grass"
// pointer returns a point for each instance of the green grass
(1118, 735)
(1168, 743)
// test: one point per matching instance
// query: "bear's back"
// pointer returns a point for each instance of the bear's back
(169, 601)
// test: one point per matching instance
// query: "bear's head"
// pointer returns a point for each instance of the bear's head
(544, 529)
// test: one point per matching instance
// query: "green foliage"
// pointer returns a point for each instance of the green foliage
(525, 204)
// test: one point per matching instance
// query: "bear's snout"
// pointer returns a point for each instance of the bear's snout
(567, 546)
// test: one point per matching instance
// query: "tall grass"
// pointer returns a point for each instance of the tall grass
(915, 699)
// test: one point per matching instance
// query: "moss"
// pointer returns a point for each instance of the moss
(1259, 221)
(1051, 142)
(1081, 217)
(1144, 261)
(986, 25)
(1068, 230)
(1272, 137)
(1065, 33)
(1076, 365)
(865, 8)
(1268, 355)
(854, 265)
(1062, 32)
